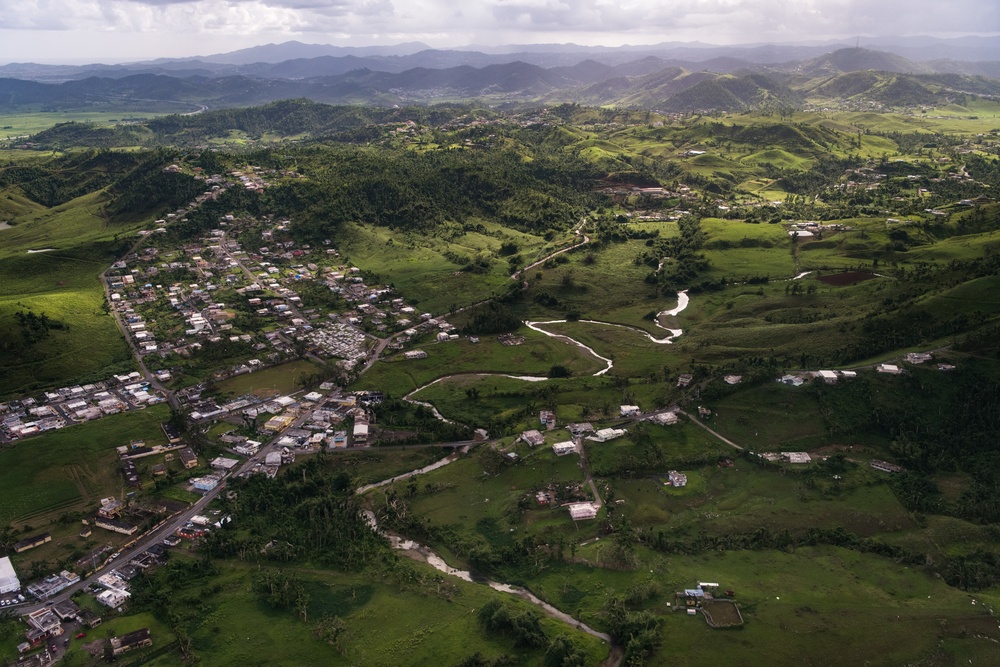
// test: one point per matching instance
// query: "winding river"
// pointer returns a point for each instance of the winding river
(682, 303)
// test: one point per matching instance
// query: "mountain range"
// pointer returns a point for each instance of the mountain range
(731, 79)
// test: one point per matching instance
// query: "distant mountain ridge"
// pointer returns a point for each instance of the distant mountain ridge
(723, 83)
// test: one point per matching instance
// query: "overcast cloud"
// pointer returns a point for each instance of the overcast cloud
(117, 30)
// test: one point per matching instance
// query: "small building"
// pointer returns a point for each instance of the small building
(360, 433)
(130, 642)
(684, 379)
(188, 458)
(733, 379)
(533, 438)
(415, 354)
(172, 432)
(45, 621)
(890, 369)
(664, 418)
(829, 377)
(629, 410)
(41, 659)
(112, 597)
(204, 484)
(606, 434)
(582, 511)
(31, 542)
(796, 457)
(66, 610)
(547, 419)
(918, 357)
(88, 618)
(110, 508)
(677, 479)
(563, 448)
(885, 466)
(579, 429)
(115, 525)
(223, 463)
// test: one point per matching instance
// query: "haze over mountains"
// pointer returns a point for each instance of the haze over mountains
(668, 76)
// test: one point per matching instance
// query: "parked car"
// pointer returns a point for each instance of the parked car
(81, 635)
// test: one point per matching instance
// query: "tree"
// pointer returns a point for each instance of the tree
(562, 652)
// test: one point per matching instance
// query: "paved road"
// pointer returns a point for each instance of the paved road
(169, 527)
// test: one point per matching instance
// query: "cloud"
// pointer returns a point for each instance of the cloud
(193, 24)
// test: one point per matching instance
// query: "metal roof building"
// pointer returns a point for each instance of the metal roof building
(8, 578)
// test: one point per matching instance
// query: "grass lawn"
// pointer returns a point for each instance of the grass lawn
(769, 417)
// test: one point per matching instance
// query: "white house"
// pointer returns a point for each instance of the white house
(563, 448)
(605, 434)
(581, 511)
(112, 597)
(829, 377)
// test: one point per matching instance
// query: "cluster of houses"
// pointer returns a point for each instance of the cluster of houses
(262, 285)
(70, 405)
(833, 376)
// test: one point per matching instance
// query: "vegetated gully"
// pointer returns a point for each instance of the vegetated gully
(425, 554)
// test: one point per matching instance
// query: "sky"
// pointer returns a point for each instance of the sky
(83, 31)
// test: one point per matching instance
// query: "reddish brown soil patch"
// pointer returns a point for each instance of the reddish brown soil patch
(848, 278)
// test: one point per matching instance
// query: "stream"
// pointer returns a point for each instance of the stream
(682, 303)
(409, 397)
(424, 554)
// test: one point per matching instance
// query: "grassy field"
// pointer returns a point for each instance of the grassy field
(21, 124)
(517, 402)
(632, 353)
(482, 507)
(415, 263)
(741, 499)
(281, 379)
(62, 283)
(70, 469)
(376, 465)
(814, 606)
(538, 354)
(418, 620)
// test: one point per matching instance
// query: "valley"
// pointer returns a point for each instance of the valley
(282, 371)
